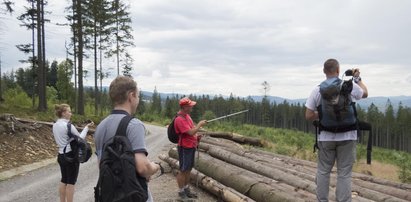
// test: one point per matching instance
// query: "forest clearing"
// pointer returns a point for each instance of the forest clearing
(228, 169)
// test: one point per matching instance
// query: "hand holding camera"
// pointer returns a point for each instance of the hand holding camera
(355, 73)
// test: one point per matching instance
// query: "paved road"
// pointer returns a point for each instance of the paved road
(41, 184)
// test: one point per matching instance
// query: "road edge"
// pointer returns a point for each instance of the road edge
(26, 168)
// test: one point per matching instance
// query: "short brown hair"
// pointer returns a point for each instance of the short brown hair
(120, 87)
(331, 66)
(60, 108)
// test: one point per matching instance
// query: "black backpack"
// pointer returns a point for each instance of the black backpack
(118, 180)
(81, 148)
(171, 131)
(337, 111)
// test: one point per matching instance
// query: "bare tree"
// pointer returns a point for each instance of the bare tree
(266, 87)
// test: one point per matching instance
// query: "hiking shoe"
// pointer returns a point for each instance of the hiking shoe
(182, 195)
(190, 193)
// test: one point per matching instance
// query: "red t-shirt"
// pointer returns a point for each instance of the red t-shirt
(182, 124)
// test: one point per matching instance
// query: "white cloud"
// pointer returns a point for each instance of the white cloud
(232, 46)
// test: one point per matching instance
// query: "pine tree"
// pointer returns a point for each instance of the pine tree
(121, 30)
(96, 21)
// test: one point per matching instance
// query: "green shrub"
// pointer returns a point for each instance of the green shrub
(17, 98)
(404, 163)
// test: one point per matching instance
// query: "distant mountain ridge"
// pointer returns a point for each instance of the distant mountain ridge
(379, 101)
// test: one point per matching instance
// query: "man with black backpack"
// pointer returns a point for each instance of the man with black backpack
(121, 150)
(332, 104)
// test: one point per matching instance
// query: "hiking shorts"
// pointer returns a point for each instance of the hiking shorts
(69, 171)
(186, 158)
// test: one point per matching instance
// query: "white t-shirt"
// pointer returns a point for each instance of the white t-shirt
(315, 100)
(60, 134)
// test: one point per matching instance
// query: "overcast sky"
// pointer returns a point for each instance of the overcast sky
(233, 46)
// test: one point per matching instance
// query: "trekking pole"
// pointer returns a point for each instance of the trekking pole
(228, 115)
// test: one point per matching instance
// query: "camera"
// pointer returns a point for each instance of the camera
(349, 72)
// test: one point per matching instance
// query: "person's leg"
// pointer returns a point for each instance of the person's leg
(69, 192)
(180, 179)
(187, 178)
(326, 159)
(63, 180)
(345, 160)
(72, 174)
(181, 176)
(62, 192)
(190, 157)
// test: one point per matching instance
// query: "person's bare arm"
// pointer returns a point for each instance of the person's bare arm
(364, 88)
(144, 166)
(311, 115)
(360, 82)
(194, 130)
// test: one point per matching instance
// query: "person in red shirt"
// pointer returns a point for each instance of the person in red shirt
(187, 144)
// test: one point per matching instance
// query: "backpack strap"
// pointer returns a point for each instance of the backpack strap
(69, 129)
(180, 139)
(122, 126)
(362, 125)
(71, 136)
(318, 128)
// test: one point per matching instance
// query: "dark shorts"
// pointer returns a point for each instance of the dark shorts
(69, 171)
(186, 158)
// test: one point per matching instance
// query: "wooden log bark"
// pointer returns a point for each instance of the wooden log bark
(90, 130)
(363, 188)
(397, 190)
(222, 143)
(251, 184)
(261, 169)
(222, 192)
(236, 138)
(371, 179)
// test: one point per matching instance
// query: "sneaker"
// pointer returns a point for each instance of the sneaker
(190, 193)
(182, 195)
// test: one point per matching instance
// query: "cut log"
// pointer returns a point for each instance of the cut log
(236, 138)
(256, 167)
(222, 192)
(392, 191)
(403, 186)
(363, 188)
(90, 130)
(251, 184)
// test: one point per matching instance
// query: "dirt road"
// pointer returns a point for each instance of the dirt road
(41, 184)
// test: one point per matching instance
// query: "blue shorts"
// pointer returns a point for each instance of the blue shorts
(186, 158)
(69, 171)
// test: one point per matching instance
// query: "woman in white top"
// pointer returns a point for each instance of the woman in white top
(69, 170)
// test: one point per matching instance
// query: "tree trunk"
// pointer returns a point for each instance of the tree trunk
(258, 168)
(255, 186)
(80, 53)
(296, 174)
(236, 138)
(216, 188)
(96, 92)
(42, 105)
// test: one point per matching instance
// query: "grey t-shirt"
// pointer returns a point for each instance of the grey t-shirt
(108, 127)
(135, 133)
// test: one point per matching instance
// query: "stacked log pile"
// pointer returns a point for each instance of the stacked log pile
(251, 174)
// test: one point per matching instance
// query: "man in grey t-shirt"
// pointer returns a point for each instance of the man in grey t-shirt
(124, 95)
